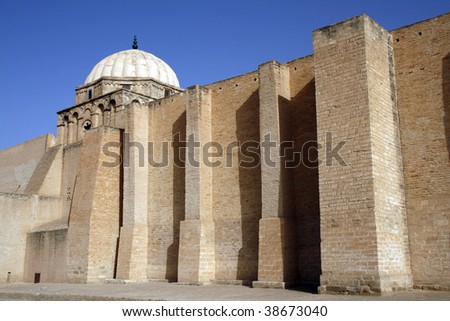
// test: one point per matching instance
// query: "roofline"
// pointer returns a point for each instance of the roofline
(419, 22)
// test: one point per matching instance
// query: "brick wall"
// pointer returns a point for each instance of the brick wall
(363, 226)
(422, 59)
(94, 216)
(369, 222)
(166, 201)
(390, 213)
(306, 175)
(236, 190)
(71, 158)
(197, 260)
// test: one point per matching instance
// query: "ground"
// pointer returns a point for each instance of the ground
(160, 291)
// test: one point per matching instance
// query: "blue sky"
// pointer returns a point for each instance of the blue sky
(48, 47)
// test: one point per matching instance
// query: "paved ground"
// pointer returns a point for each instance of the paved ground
(160, 291)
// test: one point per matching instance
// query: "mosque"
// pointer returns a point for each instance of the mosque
(331, 170)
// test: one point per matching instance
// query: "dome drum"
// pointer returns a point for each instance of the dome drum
(144, 86)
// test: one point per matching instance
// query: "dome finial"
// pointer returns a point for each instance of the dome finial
(135, 44)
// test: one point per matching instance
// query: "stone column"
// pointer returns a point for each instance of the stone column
(196, 261)
(61, 134)
(80, 129)
(95, 119)
(277, 262)
(112, 117)
(107, 117)
(133, 240)
(362, 205)
(72, 132)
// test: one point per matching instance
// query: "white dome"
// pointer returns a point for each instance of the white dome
(134, 63)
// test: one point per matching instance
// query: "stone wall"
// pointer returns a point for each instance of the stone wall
(71, 158)
(133, 241)
(46, 178)
(422, 59)
(19, 215)
(46, 256)
(236, 190)
(306, 174)
(363, 221)
(166, 185)
(277, 252)
(18, 163)
(95, 213)
(197, 261)
(364, 210)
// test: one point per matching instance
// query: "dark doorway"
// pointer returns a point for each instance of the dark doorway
(37, 277)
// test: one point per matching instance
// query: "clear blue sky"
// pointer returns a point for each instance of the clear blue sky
(48, 47)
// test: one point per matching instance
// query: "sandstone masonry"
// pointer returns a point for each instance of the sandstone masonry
(331, 170)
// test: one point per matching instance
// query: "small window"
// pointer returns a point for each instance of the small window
(126, 86)
(90, 94)
(166, 93)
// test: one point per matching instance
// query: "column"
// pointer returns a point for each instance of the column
(362, 205)
(133, 239)
(95, 119)
(61, 134)
(196, 262)
(72, 132)
(277, 262)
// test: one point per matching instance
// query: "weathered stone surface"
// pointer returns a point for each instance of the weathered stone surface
(95, 213)
(362, 203)
(17, 163)
(19, 215)
(196, 260)
(330, 170)
(422, 70)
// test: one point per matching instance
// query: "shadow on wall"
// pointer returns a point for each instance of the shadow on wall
(247, 121)
(178, 128)
(446, 97)
(286, 207)
(306, 178)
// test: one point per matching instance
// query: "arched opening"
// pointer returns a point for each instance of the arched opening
(66, 129)
(135, 103)
(73, 128)
(109, 113)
